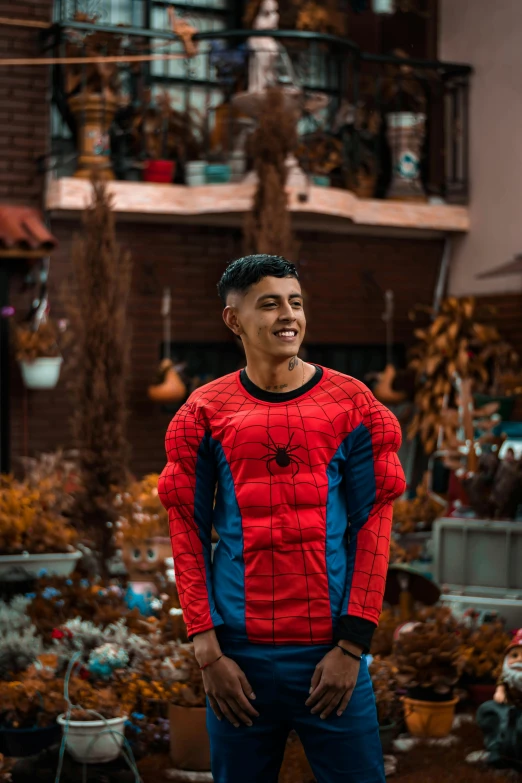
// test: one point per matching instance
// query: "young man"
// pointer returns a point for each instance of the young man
(305, 464)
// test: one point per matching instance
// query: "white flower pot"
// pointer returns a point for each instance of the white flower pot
(41, 373)
(30, 566)
(94, 741)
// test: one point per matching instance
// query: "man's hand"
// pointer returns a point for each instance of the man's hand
(226, 686)
(333, 682)
(229, 692)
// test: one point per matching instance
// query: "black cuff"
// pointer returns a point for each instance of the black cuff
(356, 630)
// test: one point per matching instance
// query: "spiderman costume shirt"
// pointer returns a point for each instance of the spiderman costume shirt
(300, 487)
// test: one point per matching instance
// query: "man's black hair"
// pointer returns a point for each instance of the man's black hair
(249, 270)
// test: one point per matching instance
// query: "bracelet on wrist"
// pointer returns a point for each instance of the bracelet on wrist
(349, 653)
(211, 663)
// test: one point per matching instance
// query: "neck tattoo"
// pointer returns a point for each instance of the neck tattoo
(294, 361)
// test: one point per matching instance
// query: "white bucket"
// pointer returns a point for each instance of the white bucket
(29, 566)
(41, 373)
(94, 741)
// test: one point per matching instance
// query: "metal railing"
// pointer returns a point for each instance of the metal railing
(378, 125)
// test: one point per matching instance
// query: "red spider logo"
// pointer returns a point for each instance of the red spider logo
(283, 456)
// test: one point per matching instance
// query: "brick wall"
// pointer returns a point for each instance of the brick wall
(190, 260)
(24, 107)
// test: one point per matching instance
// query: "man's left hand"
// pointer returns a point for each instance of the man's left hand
(333, 682)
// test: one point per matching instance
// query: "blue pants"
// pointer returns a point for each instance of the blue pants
(340, 750)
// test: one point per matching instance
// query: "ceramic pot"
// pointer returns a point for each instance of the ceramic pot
(406, 131)
(94, 115)
(195, 173)
(429, 718)
(31, 566)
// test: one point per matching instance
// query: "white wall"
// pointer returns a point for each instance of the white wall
(487, 34)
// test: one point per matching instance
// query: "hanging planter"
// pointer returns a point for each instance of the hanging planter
(27, 566)
(93, 741)
(41, 373)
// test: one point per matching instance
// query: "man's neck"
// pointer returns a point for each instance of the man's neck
(283, 376)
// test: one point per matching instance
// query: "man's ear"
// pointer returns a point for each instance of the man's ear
(231, 320)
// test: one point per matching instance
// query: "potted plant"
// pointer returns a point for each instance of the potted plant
(383, 672)
(35, 537)
(482, 650)
(426, 654)
(93, 95)
(38, 354)
(30, 702)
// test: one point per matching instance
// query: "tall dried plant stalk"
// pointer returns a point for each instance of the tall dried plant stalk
(267, 227)
(100, 325)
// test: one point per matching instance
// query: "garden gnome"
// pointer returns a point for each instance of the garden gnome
(144, 560)
(501, 719)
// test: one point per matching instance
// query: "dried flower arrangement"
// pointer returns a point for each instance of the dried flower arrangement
(427, 656)
(30, 521)
(455, 343)
(383, 672)
(97, 308)
(18, 649)
(34, 698)
(419, 513)
(482, 650)
(320, 153)
(31, 342)
(267, 227)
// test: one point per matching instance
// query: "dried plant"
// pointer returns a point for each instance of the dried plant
(30, 519)
(324, 17)
(267, 226)
(36, 343)
(158, 130)
(320, 153)
(34, 698)
(100, 323)
(428, 656)
(101, 78)
(18, 649)
(420, 512)
(383, 672)
(482, 650)
(454, 344)
(141, 514)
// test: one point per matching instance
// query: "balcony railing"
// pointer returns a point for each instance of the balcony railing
(379, 126)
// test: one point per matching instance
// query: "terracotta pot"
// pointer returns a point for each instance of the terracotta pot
(481, 692)
(159, 171)
(94, 115)
(189, 742)
(429, 718)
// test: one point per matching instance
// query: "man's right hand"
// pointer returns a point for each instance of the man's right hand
(229, 692)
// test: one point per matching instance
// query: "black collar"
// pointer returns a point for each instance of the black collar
(268, 396)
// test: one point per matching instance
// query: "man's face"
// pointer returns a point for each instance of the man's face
(269, 317)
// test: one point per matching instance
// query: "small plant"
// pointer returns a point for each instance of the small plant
(30, 521)
(383, 672)
(455, 343)
(31, 342)
(141, 514)
(482, 650)
(34, 698)
(428, 656)
(419, 513)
